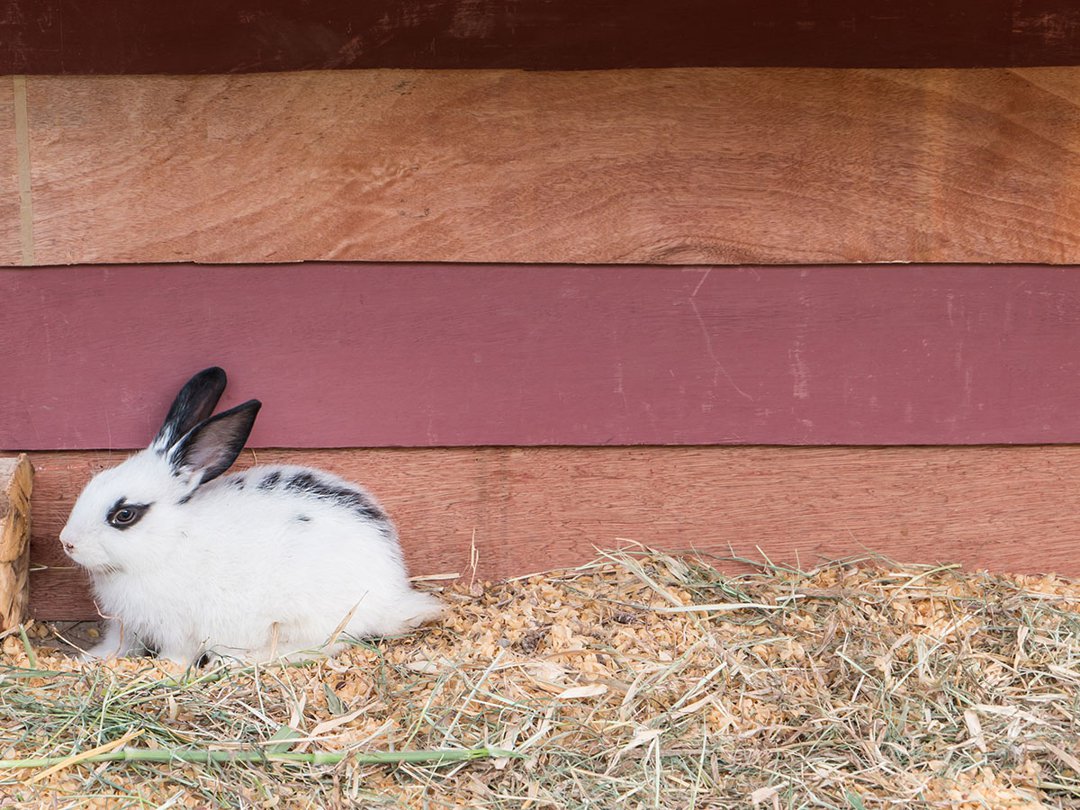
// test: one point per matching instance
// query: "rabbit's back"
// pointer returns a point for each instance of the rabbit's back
(294, 487)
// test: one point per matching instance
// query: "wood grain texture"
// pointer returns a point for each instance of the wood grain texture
(360, 355)
(720, 166)
(1007, 509)
(16, 486)
(211, 36)
(10, 223)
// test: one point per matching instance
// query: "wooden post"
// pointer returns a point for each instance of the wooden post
(16, 483)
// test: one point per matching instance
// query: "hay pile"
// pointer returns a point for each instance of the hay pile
(642, 680)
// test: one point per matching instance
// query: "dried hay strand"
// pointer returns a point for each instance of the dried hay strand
(640, 680)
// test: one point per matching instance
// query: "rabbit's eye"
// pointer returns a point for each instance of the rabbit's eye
(124, 515)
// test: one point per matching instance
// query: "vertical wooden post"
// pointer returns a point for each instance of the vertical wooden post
(16, 483)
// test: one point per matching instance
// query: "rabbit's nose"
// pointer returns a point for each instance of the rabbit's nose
(66, 542)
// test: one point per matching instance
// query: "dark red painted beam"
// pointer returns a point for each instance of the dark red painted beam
(225, 36)
(426, 355)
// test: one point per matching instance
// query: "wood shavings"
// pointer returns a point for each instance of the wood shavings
(849, 685)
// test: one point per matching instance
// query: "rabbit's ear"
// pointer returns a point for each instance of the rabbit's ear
(194, 403)
(212, 446)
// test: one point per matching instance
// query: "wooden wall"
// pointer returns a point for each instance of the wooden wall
(734, 166)
(639, 211)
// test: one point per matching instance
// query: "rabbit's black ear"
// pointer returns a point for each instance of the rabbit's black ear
(194, 404)
(212, 446)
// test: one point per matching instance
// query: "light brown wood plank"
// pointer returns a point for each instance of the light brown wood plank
(10, 246)
(1007, 509)
(655, 166)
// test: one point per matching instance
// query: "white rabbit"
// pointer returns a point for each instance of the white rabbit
(262, 563)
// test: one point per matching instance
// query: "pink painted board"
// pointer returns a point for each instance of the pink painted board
(351, 355)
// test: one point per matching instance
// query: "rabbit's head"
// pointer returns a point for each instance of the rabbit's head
(127, 515)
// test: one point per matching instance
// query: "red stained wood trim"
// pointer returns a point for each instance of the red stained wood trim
(1006, 509)
(725, 166)
(442, 355)
(129, 36)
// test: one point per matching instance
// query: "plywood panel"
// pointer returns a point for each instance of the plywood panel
(665, 166)
(1007, 509)
(429, 355)
(128, 36)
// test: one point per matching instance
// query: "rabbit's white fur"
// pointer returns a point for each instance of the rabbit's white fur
(262, 563)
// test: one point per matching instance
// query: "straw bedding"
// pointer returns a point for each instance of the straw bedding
(641, 680)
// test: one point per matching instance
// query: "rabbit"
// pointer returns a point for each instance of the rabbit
(275, 561)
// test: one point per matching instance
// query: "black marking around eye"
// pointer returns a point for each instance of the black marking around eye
(124, 515)
(303, 519)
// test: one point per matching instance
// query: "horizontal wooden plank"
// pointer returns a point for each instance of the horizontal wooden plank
(1007, 509)
(653, 167)
(128, 36)
(427, 355)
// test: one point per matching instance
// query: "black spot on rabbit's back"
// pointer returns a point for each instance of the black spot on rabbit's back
(270, 481)
(307, 483)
